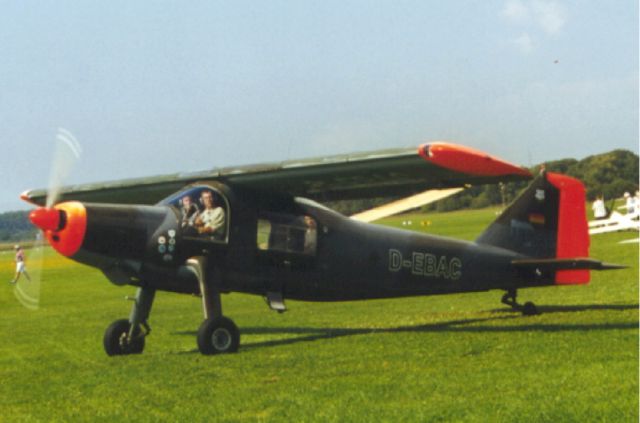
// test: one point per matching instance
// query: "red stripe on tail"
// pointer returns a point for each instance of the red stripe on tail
(573, 234)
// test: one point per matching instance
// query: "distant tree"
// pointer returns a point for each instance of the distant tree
(611, 174)
(15, 226)
(564, 166)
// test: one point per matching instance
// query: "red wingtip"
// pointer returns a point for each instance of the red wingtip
(468, 160)
(45, 219)
(25, 197)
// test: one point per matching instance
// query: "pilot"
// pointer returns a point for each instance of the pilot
(211, 220)
(189, 213)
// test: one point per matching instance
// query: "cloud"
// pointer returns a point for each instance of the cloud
(524, 43)
(549, 15)
(541, 18)
(515, 11)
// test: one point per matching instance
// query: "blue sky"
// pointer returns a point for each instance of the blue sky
(160, 87)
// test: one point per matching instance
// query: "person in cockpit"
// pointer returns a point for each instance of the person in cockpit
(211, 220)
(189, 212)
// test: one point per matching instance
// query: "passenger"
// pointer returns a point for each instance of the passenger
(211, 220)
(310, 235)
(189, 212)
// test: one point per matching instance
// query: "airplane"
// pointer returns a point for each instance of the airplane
(266, 232)
(615, 222)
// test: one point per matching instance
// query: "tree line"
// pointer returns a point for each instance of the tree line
(15, 226)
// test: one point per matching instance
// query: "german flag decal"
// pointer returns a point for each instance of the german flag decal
(536, 218)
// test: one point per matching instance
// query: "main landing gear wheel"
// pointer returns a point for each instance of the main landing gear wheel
(116, 339)
(218, 335)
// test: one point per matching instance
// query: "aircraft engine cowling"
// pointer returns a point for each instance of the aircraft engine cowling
(118, 239)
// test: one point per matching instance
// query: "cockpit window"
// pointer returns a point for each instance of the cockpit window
(287, 233)
(203, 213)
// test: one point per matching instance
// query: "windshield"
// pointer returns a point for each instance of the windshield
(203, 212)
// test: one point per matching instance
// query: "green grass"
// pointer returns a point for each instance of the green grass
(445, 358)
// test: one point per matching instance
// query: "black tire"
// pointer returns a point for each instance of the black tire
(529, 309)
(115, 339)
(218, 335)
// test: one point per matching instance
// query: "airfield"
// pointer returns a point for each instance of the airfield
(447, 358)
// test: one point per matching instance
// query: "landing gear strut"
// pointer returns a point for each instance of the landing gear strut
(217, 334)
(528, 309)
(126, 336)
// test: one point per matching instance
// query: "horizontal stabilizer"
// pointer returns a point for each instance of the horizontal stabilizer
(554, 264)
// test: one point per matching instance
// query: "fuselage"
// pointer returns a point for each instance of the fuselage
(292, 247)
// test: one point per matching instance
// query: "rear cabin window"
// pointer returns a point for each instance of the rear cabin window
(287, 233)
(203, 212)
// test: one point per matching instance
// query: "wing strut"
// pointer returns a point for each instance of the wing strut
(405, 204)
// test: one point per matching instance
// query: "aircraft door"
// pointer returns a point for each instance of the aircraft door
(286, 250)
(289, 235)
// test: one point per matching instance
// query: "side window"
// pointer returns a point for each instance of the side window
(203, 212)
(287, 233)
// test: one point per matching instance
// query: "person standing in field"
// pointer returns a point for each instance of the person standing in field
(630, 203)
(599, 209)
(20, 266)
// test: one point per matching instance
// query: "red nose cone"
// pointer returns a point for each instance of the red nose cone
(45, 219)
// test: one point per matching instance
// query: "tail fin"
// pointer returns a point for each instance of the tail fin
(547, 221)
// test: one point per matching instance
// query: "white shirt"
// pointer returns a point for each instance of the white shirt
(213, 219)
(599, 210)
(631, 204)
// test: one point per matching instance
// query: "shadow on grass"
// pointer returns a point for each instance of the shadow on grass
(546, 309)
(478, 325)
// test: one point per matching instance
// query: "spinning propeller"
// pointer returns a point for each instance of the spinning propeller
(49, 218)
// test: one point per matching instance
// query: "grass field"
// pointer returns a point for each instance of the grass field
(447, 358)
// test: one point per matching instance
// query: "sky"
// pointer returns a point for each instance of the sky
(150, 88)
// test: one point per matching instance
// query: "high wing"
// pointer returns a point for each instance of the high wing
(397, 172)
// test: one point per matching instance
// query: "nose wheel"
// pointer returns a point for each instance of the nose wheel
(119, 339)
(126, 336)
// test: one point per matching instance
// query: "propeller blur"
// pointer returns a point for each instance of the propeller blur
(51, 218)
